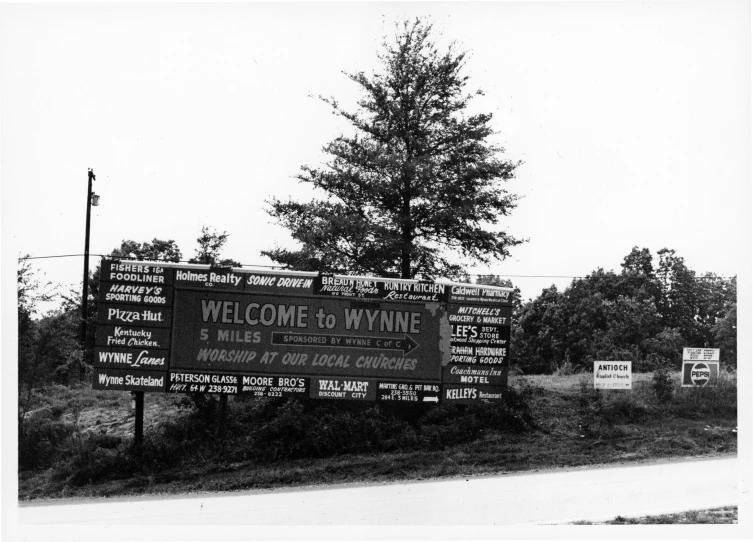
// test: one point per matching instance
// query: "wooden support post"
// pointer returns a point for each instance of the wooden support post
(222, 413)
(138, 428)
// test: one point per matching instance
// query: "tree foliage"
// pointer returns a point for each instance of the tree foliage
(210, 245)
(418, 182)
(156, 251)
(48, 344)
(645, 314)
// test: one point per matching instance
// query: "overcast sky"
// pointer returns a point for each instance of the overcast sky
(632, 119)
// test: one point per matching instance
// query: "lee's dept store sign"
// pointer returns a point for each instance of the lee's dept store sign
(194, 328)
(613, 375)
(700, 367)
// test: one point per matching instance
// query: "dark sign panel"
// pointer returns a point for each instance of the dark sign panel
(377, 288)
(132, 358)
(480, 334)
(475, 374)
(330, 285)
(128, 380)
(216, 279)
(699, 373)
(465, 395)
(203, 383)
(128, 272)
(478, 315)
(134, 315)
(282, 334)
(408, 392)
(133, 337)
(247, 334)
(276, 283)
(343, 388)
(486, 295)
(142, 294)
(404, 290)
(275, 386)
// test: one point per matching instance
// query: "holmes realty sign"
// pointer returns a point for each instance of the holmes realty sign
(184, 328)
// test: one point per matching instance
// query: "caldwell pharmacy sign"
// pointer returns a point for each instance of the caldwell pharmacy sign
(189, 328)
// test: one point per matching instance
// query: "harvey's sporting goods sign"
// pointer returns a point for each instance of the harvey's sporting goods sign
(183, 328)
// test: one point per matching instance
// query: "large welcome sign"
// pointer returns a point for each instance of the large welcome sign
(184, 328)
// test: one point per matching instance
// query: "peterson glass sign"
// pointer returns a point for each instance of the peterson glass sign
(187, 328)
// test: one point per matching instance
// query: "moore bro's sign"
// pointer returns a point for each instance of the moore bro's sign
(191, 328)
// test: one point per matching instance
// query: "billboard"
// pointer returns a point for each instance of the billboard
(613, 375)
(700, 354)
(698, 374)
(188, 328)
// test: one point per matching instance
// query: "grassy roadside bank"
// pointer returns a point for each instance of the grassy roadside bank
(78, 443)
(714, 516)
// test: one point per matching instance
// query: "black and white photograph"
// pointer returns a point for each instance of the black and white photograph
(376, 270)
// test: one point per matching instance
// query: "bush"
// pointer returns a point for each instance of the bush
(40, 441)
(566, 369)
(662, 384)
(715, 401)
(624, 406)
(266, 430)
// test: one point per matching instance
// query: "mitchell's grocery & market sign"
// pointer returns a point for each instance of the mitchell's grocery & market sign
(183, 328)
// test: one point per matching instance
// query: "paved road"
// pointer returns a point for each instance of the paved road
(548, 497)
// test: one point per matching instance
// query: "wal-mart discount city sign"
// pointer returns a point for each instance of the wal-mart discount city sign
(183, 328)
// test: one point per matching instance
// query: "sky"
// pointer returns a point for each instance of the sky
(632, 120)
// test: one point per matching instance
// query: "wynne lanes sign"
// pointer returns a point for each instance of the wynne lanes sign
(192, 328)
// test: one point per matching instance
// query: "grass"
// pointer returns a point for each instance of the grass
(546, 422)
(724, 515)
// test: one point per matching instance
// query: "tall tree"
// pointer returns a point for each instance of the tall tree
(157, 250)
(418, 182)
(679, 304)
(210, 246)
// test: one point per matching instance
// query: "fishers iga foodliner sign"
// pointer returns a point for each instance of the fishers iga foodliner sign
(193, 328)
(613, 375)
(219, 331)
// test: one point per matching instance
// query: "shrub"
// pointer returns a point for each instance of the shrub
(590, 404)
(662, 384)
(565, 369)
(624, 406)
(39, 442)
(719, 400)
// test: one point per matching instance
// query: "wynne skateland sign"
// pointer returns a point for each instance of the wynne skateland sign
(192, 328)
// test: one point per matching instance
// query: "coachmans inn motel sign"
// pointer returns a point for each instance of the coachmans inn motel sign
(180, 328)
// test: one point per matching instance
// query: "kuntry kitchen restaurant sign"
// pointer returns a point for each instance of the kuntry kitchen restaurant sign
(191, 328)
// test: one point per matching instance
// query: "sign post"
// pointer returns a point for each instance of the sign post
(138, 426)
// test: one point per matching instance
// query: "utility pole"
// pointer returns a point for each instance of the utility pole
(91, 199)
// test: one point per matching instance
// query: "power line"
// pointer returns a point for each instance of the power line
(701, 277)
(136, 259)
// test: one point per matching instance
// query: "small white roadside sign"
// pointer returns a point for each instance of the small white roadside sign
(613, 375)
(700, 354)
